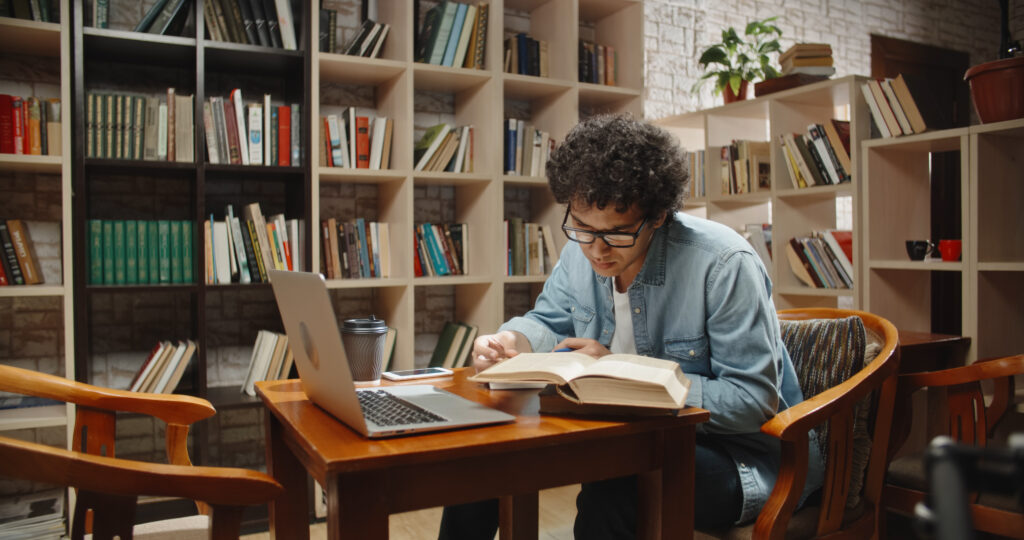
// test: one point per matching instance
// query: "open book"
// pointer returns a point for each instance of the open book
(614, 379)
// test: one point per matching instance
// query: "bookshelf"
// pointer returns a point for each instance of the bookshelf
(791, 211)
(897, 191)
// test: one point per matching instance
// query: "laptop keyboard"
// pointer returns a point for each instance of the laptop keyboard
(385, 409)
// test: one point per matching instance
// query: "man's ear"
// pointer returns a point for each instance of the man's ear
(661, 220)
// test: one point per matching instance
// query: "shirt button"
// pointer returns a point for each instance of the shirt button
(636, 310)
(572, 308)
(692, 352)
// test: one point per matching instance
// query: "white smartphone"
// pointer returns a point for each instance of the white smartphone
(419, 373)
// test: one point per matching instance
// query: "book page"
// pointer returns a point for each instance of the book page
(550, 367)
(632, 367)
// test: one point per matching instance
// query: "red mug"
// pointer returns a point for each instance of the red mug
(950, 250)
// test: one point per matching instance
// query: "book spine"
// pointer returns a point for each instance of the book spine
(362, 142)
(131, 252)
(187, 270)
(296, 136)
(254, 241)
(251, 259)
(164, 235)
(142, 246)
(153, 257)
(15, 276)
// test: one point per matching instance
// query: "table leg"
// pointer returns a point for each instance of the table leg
(518, 517)
(357, 506)
(289, 514)
(665, 502)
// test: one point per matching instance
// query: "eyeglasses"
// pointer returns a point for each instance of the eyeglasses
(612, 238)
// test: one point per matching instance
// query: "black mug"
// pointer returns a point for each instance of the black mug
(917, 250)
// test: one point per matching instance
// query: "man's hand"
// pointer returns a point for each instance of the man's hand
(589, 347)
(493, 348)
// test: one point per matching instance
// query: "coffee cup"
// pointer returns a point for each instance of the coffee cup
(949, 250)
(917, 250)
(364, 347)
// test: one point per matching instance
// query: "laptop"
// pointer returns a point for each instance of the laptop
(320, 358)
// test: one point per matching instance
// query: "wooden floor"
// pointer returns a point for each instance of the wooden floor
(556, 513)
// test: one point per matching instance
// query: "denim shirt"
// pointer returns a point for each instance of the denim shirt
(702, 299)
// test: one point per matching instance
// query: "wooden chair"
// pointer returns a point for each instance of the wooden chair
(862, 397)
(967, 420)
(108, 486)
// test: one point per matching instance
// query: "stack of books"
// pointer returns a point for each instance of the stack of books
(241, 249)
(598, 63)
(355, 249)
(441, 249)
(526, 55)
(530, 248)
(164, 367)
(251, 133)
(367, 42)
(823, 259)
(139, 252)
(135, 126)
(893, 109)
(271, 360)
(801, 64)
(746, 167)
(445, 148)
(30, 126)
(526, 148)
(820, 156)
(454, 35)
(454, 345)
(356, 141)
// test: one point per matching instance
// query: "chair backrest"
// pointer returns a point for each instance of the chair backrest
(846, 362)
(108, 486)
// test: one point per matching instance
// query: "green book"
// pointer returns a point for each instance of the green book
(131, 252)
(445, 341)
(153, 244)
(119, 253)
(108, 252)
(142, 245)
(164, 228)
(186, 251)
(175, 233)
(95, 252)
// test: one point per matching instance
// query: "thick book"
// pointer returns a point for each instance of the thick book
(906, 100)
(25, 252)
(614, 379)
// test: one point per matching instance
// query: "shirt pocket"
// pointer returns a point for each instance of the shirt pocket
(693, 354)
(582, 316)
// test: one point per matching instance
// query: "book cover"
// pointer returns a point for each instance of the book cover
(378, 44)
(238, 244)
(284, 135)
(839, 145)
(147, 364)
(142, 250)
(250, 250)
(445, 342)
(296, 138)
(164, 247)
(186, 251)
(259, 234)
(179, 368)
(897, 109)
(362, 142)
(269, 112)
(255, 140)
(906, 100)
(286, 25)
(454, 35)
(273, 26)
(799, 265)
(259, 20)
(12, 268)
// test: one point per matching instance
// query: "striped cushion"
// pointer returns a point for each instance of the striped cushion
(825, 353)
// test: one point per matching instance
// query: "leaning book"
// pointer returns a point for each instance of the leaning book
(614, 379)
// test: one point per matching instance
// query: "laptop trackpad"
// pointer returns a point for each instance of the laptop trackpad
(454, 408)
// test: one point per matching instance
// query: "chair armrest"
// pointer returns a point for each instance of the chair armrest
(796, 421)
(991, 368)
(171, 408)
(213, 485)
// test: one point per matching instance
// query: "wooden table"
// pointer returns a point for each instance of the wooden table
(366, 480)
(924, 351)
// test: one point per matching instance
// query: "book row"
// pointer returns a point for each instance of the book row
(271, 360)
(30, 126)
(252, 133)
(242, 249)
(893, 109)
(367, 43)
(32, 10)
(445, 148)
(822, 260)
(356, 141)
(19, 264)
(530, 248)
(526, 148)
(821, 156)
(163, 368)
(268, 23)
(695, 168)
(454, 345)
(453, 34)
(355, 249)
(598, 64)
(746, 167)
(139, 252)
(134, 126)
(441, 249)
(525, 55)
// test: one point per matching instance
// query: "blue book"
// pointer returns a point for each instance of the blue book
(436, 251)
(439, 46)
(364, 255)
(453, 36)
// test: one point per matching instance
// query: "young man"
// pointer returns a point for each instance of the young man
(641, 278)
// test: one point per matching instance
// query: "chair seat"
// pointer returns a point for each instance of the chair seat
(909, 472)
(195, 527)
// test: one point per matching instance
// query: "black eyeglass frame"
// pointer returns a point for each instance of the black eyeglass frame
(600, 234)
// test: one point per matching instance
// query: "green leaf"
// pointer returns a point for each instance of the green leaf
(734, 83)
(714, 54)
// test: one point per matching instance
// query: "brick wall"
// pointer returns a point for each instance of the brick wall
(676, 32)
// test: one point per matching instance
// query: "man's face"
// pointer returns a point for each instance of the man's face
(608, 261)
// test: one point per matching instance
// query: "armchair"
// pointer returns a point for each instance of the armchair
(108, 486)
(846, 361)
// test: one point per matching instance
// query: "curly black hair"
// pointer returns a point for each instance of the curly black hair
(615, 159)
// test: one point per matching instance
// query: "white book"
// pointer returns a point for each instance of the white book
(442, 131)
(255, 133)
(384, 235)
(210, 132)
(293, 241)
(545, 147)
(161, 138)
(296, 136)
(876, 112)
(460, 154)
(380, 41)
(380, 125)
(170, 367)
(267, 150)
(339, 142)
(830, 173)
(222, 265)
(285, 24)
(259, 349)
(536, 156)
(280, 237)
(243, 136)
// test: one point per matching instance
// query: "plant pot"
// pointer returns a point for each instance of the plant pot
(729, 97)
(997, 89)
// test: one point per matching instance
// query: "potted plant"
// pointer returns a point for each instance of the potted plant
(736, 60)
(997, 87)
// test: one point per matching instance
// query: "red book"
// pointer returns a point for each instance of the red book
(234, 152)
(6, 124)
(362, 142)
(18, 115)
(845, 241)
(416, 266)
(284, 136)
(3, 276)
(26, 139)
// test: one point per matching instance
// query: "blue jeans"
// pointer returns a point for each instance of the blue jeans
(606, 509)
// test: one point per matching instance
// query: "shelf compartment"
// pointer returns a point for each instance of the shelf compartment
(31, 163)
(229, 57)
(529, 87)
(997, 190)
(341, 174)
(999, 316)
(447, 79)
(19, 36)
(102, 45)
(357, 70)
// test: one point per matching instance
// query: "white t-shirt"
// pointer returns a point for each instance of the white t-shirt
(622, 340)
